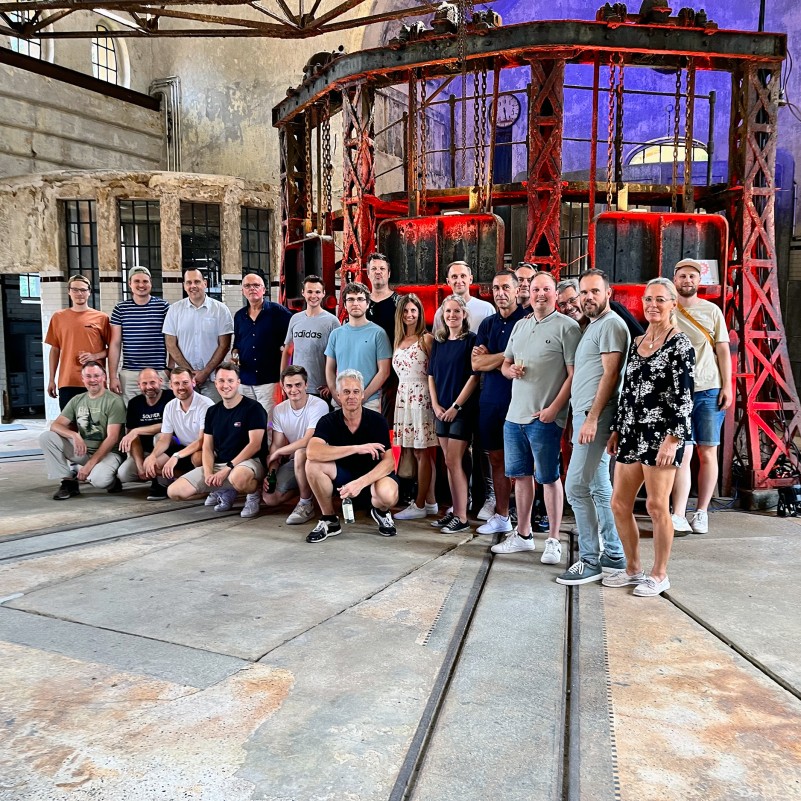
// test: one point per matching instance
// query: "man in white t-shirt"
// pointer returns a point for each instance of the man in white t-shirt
(294, 422)
(704, 324)
(459, 278)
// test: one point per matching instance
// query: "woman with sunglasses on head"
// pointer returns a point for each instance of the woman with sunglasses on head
(648, 435)
(414, 415)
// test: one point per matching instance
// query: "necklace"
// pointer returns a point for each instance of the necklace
(655, 339)
(299, 412)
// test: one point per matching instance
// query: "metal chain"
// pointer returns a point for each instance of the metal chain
(620, 78)
(610, 133)
(308, 199)
(476, 121)
(423, 164)
(674, 179)
(688, 135)
(483, 139)
(463, 8)
(328, 166)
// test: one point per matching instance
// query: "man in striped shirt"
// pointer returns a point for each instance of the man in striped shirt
(136, 330)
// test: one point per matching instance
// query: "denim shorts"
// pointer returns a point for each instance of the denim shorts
(532, 449)
(707, 417)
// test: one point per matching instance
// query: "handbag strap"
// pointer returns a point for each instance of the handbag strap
(688, 316)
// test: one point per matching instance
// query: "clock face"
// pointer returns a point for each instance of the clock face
(508, 110)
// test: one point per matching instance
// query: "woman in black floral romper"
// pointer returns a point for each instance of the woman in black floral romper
(652, 424)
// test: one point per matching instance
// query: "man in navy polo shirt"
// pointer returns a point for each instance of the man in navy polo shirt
(496, 392)
(259, 333)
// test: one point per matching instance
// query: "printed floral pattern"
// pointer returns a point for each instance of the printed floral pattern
(656, 400)
(414, 417)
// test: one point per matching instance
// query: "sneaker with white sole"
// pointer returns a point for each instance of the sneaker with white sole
(302, 513)
(514, 543)
(411, 512)
(552, 554)
(225, 501)
(681, 528)
(488, 509)
(443, 521)
(580, 573)
(651, 587)
(620, 578)
(456, 526)
(212, 499)
(495, 525)
(323, 530)
(432, 508)
(386, 525)
(252, 504)
(699, 522)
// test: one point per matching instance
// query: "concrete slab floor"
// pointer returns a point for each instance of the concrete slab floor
(226, 659)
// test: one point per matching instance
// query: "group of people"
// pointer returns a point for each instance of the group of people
(550, 377)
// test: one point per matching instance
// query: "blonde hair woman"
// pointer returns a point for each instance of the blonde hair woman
(452, 384)
(414, 415)
(651, 426)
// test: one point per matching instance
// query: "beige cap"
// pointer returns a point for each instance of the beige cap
(136, 270)
(689, 264)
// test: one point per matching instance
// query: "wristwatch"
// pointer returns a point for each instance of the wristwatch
(457, 407)
(230, 465)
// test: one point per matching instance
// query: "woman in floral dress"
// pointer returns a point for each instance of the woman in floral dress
(651, 427)
(414, 416)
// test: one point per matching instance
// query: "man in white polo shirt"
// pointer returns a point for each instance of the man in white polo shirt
(177, 449)
(198, 331)
(459, 278)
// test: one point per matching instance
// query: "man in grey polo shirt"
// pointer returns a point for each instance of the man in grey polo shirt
(198, 332)
(597, 379)
(539, 360)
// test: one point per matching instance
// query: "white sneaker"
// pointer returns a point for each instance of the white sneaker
(487, 512)
(302, 512)
(495, 525)
(212, 499)
(680, 525)
(252, 504)
(650, 587)
(552, 554)
(700, 522)
(514, 543)
(411, 512)
(432, 508)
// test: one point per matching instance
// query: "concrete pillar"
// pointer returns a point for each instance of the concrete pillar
(53, 284)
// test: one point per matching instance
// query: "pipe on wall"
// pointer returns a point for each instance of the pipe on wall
(170, 90)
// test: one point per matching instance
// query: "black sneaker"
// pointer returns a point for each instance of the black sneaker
(68, 489)
(455, 526)
(386, 525)
(323, 530)
(115, 487)
(443, 521)
(158, 492)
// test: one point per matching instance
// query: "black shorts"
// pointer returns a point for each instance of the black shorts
(461, 428)
(490, 425)
(363, 499)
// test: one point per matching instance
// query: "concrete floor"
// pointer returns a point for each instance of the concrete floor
(151, 651)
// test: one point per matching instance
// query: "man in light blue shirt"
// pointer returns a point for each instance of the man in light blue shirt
(359, 345)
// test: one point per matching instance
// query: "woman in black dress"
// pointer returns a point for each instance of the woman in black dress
(652, 424)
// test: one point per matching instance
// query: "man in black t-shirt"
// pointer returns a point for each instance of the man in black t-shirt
(232, 441)
(351, 452)
(143, 422)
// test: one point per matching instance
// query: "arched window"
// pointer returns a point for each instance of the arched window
(104, 57)
(660, 151)
(27, 47)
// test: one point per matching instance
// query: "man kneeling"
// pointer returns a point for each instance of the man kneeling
(350, 451)
(232, 439)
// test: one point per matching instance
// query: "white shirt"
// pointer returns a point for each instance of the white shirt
(477, 310)
(198, 328)
(294, 423)
(186, 425)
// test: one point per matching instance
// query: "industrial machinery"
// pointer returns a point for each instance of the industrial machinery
(466, 88)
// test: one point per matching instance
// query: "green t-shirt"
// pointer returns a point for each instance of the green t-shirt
(93, 416)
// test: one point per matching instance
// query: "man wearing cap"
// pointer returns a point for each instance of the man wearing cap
(136, 326)
(704, 324)
(198, 332)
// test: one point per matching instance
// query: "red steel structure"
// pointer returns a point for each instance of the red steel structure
(768, 415)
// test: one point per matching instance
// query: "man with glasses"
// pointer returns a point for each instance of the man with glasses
(359, 345)
(76, 335)
(259, 332)
(198, 332)
(136, 333)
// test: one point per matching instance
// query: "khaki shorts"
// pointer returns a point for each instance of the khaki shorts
(198, 482)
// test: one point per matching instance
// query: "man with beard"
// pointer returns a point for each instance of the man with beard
(568, 302)
(597, 379)
(233, 435)
(86, 433)
(177, 449)
(704, 324)
(143, 422)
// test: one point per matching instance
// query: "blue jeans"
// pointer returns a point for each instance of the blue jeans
(589, 492)
(532, 449)
(707, 417)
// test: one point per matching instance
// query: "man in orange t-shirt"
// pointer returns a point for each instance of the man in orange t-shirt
(76, 335)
